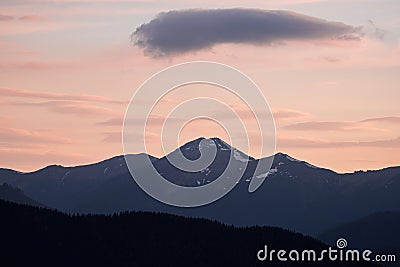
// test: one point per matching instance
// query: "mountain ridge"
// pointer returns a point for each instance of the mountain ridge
(197, 140)
(295, 194)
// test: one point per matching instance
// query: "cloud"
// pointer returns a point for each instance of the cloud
(22, 137)
(116, 137)
(154, 120)
(183, 31)
(75, 108)
(21, 18)
(36, 65)
(363, 125)
(246, 114)
(116, 121)
(287, 114)
(14, 92)
(31, 18)
(113, 137)
(317, 143)
(79, 108)
(393, 120)
(324, 126)
(330, 59)
(12, 26)
(373, 30)
(6, 18)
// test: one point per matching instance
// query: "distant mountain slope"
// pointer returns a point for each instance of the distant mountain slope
(13, 194)
(379, 231)
(61, 187)
(42, 237)
(296, 195)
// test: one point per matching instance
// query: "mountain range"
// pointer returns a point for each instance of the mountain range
(296, 195)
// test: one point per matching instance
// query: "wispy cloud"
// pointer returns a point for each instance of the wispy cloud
(116, 137)
(392, 120)
(153, 120)
(22, 137)
(27, 18)
(6, 17)
(288, 114)
(246, 113)
(24, 25)
(342, 125)
(325, 126)
(176, 32)
(82, 109)
(319, 143)
(113, 137)
(31, 18)
(14, 92)
(37, 65)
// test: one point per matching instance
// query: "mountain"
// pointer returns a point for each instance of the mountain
(61, 187)
(296, 195)
(43, 237)
(378, 231)
(13, 194)
(192, 151)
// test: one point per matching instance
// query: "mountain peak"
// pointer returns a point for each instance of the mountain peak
(221, 143)
(202, 141)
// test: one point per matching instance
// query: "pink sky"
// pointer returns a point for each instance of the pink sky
(68, 71)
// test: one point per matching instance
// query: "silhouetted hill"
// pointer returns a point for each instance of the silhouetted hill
(41, 237)
(379, 231)
(13, 194)
(62, 187)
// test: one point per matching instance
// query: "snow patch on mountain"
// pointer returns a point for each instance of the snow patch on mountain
(206, 171)
(239, 157)
(264, 175)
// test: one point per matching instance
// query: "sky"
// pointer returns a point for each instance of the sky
(329, 70)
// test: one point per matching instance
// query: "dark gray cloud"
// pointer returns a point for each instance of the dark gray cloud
(183, 31)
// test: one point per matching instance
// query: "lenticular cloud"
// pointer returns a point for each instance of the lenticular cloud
(176, 32)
